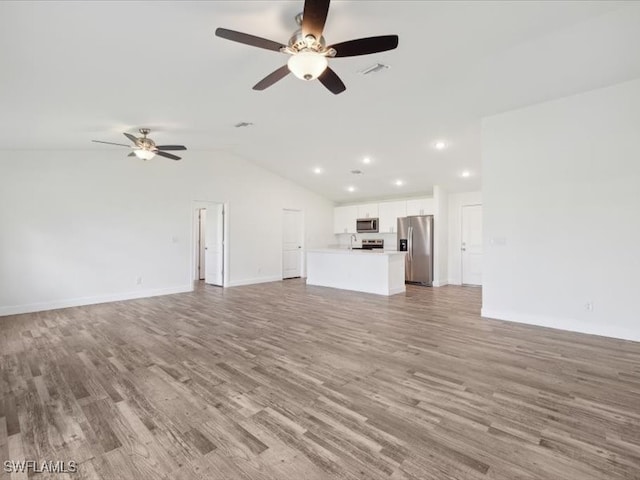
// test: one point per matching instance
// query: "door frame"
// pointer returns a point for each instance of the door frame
(196, 205)
(462, 207)
(303, 263)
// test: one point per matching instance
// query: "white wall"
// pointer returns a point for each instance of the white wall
(80, 227)
(441, 237)
(561, 205)
(456, 202)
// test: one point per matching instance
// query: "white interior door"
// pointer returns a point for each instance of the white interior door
(292, 244)
(202, 223)
(472, 245)
(214, 235)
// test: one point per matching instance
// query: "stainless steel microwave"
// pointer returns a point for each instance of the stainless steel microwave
(367, 225)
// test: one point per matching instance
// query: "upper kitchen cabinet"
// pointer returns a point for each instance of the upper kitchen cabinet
(421, 206)
(370, 210)
(389, 214)
(344, 219)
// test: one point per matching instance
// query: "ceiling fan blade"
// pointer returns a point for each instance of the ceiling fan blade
(272, 78)
(365, 46)
(132, 138)
(168, 155)
(111, 143)
(332, 81)
(171, 147)
(249, 39)
(314, 17)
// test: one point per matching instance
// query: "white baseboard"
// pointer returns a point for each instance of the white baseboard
(440, 283)
(253, 281)
(566, 324)
(78, 302)
(395, 291)
(454, 281)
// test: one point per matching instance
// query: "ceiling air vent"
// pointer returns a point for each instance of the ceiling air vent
(243, 124)
(375, 68)
(357, 172)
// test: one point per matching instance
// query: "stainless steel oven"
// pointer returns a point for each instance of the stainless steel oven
(367, 225)
(372, 244)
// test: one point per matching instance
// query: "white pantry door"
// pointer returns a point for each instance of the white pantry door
(292, 244)
(202, 242)
(214, 235)
(472, 245)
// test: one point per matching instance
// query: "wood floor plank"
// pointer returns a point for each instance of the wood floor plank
(282, 381)
(99, 420)
(11, 415)
(16, 453)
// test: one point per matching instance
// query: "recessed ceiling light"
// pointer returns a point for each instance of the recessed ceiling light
(398, 183)
(440, 145)
(317, 170)
(366, 160)
(466, 173)
(351, 188)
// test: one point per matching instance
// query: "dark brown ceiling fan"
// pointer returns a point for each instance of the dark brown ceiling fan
(308, 49)
(145, 148)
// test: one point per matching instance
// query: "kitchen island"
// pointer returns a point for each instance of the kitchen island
(371, 271)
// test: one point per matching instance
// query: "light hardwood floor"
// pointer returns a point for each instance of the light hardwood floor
(282, 381)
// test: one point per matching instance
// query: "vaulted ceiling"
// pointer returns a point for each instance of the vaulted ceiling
(75, 71)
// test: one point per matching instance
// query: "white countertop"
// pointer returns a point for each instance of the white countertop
(346, 251)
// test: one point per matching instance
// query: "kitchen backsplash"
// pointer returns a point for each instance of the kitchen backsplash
(390, 239)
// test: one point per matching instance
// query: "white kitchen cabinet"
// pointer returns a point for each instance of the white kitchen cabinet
(421, 206)
(389, 213)
(359, 270)
(344, 219)
(369, 210)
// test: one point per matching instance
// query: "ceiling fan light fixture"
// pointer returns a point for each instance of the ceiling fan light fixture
(307, 65)
(144, 154)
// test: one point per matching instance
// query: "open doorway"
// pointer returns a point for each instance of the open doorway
(292, 240)
(209, 243)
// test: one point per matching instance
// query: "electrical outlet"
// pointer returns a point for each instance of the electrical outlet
(139, 281)
(589, 306)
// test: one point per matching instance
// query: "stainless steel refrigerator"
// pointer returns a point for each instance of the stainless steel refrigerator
(415, 236)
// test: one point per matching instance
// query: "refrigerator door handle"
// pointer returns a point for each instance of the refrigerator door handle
(410, 242)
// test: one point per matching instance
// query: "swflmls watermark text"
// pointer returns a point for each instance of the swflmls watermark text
(31, 466)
